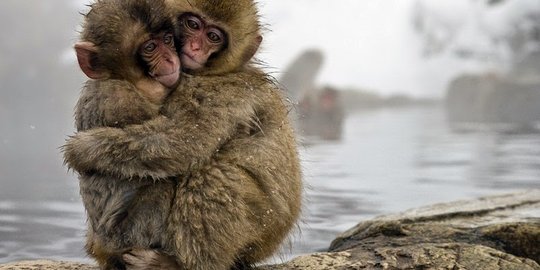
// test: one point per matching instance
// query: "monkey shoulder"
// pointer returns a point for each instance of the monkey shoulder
(252, 86)
(112, 103)
(253, 101)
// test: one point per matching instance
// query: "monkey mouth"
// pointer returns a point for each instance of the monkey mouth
(189, 62)
(168, 80)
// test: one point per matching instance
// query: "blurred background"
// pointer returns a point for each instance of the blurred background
(397, 103)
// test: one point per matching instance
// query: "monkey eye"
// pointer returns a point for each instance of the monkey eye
(168, 39)
(150, 47)
(215, 36)
(193, 23)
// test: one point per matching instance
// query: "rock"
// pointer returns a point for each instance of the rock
(493, 99)
(467, 97)
(47, 265)
(527, 67)
(299, 77)
(512, 101)
(499, 233)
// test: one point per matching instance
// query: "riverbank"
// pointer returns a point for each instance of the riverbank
(498, 232)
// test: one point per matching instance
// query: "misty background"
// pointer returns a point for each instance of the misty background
(398, 104)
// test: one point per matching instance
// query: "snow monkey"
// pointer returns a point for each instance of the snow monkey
(217, 37)
(128, 49)
(223, 141)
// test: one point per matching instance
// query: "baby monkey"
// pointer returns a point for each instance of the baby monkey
(128, 49)
(215, 182)
(200, 40)
(130, 41)
(217, 37)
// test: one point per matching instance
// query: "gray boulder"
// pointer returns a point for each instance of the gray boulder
(499, 233)
(493, 99)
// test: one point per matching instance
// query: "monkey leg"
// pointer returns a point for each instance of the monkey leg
(124, 214)
(211, 221)
(98, 250)
(102, 196)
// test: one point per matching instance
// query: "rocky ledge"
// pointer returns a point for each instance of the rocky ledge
(500, 232)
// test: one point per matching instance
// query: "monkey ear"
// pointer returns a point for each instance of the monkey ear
(86, 56)
(252, 50)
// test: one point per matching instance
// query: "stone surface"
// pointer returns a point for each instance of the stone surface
(491, 98)
(47, 265)
(502, 98)
(499, 233)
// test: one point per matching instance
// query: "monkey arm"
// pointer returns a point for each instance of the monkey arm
(112, 103)
(269, 155)
(158, 149)
(202, 117)
(257, 176)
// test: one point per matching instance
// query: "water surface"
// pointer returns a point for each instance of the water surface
(388, 161)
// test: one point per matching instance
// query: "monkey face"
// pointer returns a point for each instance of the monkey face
(160, 59)
(130, 40)
(201, 39)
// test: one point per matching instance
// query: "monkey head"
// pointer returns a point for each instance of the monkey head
(218, 36)
(200, 41)
(131, 40)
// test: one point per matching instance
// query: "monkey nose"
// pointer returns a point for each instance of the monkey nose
(195, 46)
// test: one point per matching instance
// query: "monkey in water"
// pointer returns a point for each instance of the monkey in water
(225, 136)
(128, 49)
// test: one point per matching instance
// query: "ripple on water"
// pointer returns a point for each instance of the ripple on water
(388, 161)
(6, 205)
(30, 230)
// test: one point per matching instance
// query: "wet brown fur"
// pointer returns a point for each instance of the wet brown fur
(225, 144)
(118, 27)
(240, 21)
(238, 194)
(117, 221)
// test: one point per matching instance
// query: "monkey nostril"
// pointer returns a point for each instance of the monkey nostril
(195, 46)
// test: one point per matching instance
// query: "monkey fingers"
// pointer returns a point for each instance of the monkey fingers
(144, 259)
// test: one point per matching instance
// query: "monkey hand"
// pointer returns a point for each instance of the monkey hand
(141, 259)
(109, 151)
(82, 150)
(157, 149)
